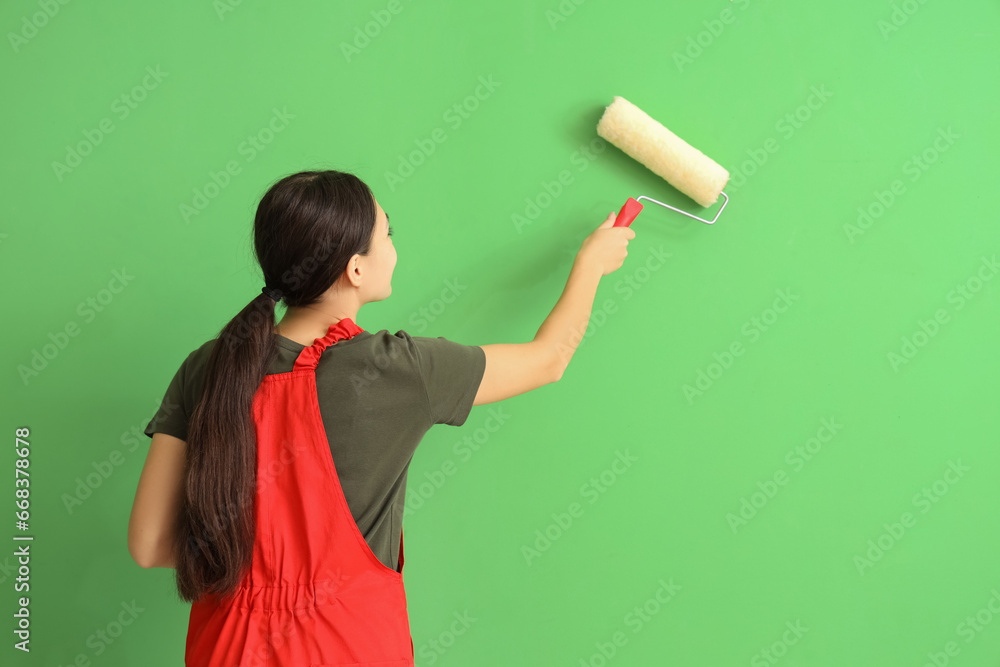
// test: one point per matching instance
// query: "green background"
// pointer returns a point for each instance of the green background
(724, 76)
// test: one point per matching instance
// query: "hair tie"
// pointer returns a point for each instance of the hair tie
(272, 292)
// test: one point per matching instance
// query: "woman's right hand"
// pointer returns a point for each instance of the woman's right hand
(606, 246)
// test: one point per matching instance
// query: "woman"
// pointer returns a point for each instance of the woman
(276, 476)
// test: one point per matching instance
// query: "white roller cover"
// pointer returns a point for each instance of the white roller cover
(661, 151)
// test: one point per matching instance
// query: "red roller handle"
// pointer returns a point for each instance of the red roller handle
(628, 213)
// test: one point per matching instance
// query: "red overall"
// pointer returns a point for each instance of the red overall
(315, 595)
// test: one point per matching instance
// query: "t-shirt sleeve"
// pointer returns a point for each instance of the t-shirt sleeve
(174, 412)
(451, 374)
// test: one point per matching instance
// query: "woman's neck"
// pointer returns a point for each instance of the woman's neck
(305, 325)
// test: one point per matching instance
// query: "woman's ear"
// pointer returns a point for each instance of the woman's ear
(353, 270)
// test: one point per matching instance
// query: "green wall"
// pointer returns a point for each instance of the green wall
(777, 443)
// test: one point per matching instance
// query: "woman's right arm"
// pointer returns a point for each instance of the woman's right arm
(513, 369)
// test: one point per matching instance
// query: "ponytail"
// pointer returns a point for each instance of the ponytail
(216, 525)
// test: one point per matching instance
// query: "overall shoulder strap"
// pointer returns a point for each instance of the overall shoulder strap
(344, 329)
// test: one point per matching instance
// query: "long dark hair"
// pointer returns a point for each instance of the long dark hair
(307, 227)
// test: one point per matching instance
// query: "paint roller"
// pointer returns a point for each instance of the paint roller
(665, 154)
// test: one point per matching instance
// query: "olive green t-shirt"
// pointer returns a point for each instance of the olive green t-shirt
(378, 394)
